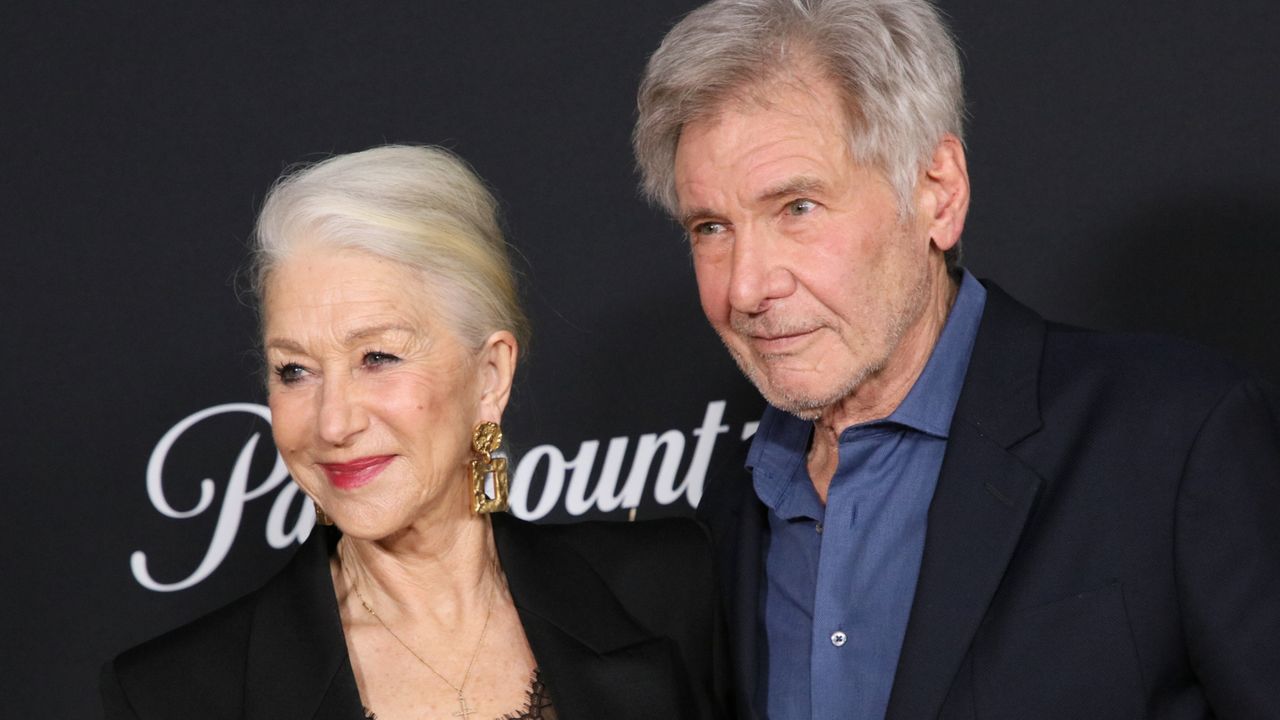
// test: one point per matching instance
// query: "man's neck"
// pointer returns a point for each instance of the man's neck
(883, 391)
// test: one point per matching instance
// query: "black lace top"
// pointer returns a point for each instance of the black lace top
(537, 707)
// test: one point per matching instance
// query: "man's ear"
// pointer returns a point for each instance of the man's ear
(942, 197)
(496, 366)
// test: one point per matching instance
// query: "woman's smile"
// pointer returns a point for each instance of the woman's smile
(355, 473)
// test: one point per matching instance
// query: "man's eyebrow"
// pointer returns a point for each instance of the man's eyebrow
(800, 185)
(691, 215)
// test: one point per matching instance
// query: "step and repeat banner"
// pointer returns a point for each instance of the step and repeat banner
(1125, 176)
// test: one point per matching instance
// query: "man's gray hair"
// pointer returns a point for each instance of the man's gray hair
(894, 63)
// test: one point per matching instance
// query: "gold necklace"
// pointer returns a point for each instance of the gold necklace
(464, 711)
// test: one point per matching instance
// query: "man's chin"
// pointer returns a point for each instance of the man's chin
(802, 394)
(801, 401)
(785, 390)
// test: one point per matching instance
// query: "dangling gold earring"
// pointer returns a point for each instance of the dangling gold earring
(321, 518)
(484, 441)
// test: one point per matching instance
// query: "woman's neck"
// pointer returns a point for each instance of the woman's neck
(437, 572)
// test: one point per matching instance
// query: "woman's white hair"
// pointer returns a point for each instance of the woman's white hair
(420, 206)
(893, 62)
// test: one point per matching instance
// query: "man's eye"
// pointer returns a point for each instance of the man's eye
(375, 358)
(708, 228)
(289, 373)
(801, 207)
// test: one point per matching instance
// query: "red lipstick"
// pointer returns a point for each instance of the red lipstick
(351, 475)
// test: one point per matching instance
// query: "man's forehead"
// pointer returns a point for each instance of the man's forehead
(762, 151)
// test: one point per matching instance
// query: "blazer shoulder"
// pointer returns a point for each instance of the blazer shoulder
(1148, 370)
(201, 669)
(198, 665)
(657, 569)
(674, 548)
(1074, 359)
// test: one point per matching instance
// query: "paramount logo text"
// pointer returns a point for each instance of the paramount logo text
(544, 478)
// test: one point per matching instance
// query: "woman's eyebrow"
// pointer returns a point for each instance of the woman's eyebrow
(374, 330)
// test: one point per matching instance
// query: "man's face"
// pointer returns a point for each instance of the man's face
(804, 267)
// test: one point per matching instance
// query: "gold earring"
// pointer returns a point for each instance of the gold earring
(321, 517)
(486, 439)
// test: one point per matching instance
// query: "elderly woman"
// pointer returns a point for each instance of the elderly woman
(391, 332)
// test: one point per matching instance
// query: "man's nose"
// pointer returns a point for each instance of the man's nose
(758, 274)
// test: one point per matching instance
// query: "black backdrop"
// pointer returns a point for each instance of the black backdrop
(1125, 171)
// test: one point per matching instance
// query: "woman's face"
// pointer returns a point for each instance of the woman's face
(373, 398)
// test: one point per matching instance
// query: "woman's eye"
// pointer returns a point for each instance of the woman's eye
(379, 358)
(801, 207)
(289, 373)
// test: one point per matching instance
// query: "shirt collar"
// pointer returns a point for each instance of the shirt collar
(931, 402)
(781, 441)
(776, 459)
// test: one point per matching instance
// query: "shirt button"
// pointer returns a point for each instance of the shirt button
(838, 638)
(818, 527)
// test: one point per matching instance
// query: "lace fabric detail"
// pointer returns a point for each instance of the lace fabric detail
(537, 707)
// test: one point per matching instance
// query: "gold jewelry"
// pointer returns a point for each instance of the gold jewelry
(464, 711)
(484, 441)
(321, 517)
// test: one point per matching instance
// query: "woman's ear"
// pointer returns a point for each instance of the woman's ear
(496, 368)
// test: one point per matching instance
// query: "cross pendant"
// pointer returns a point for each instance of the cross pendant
(464, 712)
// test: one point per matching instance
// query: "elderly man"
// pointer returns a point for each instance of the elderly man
(951, 508)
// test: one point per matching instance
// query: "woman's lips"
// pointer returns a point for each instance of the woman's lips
(351, 475)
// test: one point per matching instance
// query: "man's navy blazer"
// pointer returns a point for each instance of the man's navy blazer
(1104, 540)
(622, 619)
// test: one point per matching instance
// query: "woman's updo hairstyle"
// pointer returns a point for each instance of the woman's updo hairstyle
(420, 206)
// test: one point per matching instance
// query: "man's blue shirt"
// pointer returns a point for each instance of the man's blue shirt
(839, 580)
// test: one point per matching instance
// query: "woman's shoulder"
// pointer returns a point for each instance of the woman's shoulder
(667, 544)
(663, 562)
(198, 664)
(202, 664)
(671, 533)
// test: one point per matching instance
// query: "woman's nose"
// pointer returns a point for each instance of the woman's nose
(341, 417)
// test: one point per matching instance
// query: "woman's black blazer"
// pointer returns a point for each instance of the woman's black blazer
(622, 619)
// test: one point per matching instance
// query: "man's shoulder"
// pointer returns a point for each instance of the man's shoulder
(1171, 355)
(1117, 394)
(1100, 365)
(1146, 370)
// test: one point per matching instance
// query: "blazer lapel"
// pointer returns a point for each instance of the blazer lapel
(298, 667)
(595, 659)
(736, 518)
(983, 497)
(746, 568)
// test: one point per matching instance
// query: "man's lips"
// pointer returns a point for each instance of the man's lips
(769, 344)
(353, 474)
